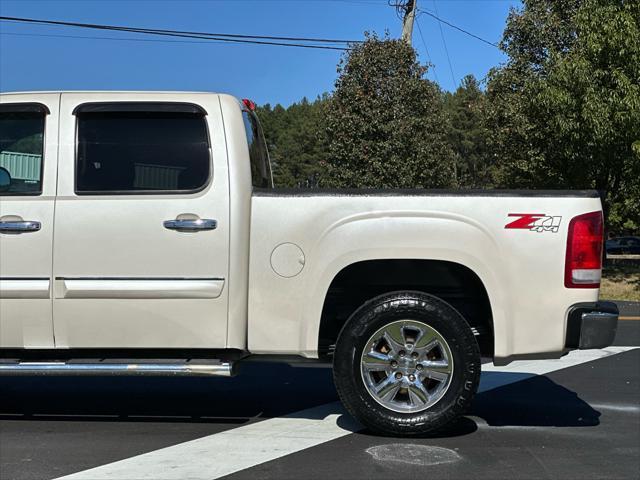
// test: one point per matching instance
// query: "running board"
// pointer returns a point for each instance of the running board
(118, 367)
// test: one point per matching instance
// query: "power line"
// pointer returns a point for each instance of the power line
(117, 39)
(399, 6)
(355, 2)
(436, 17)
(178, 32)
(435, 74)
(220, 37)
(446, 50)
(221, 40)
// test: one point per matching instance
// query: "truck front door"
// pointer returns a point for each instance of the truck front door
(142, 223)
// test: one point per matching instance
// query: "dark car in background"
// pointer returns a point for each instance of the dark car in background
(623, 246)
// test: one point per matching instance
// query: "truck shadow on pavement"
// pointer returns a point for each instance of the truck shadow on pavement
(262, 391)
(534, 402)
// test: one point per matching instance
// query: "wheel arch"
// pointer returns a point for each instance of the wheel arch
(362, 280)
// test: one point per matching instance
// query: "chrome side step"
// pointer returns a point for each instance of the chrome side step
(109, 367)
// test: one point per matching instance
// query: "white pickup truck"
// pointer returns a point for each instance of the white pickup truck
(140, 233)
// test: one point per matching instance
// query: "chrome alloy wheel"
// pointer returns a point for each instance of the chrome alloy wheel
(407, 366)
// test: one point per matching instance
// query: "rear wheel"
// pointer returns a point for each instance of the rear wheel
(406, 363)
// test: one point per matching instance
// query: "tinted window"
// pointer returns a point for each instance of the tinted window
(140, 151)
(258, 154)
(21, 147)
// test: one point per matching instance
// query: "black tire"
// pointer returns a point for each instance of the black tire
(377, 313)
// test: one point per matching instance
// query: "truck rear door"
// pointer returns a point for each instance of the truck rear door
(142, 222)
(28, 158)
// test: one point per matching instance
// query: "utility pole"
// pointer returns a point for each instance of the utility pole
(407, 23)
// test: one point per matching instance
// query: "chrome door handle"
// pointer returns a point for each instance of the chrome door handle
(20, 226)
(191, 225)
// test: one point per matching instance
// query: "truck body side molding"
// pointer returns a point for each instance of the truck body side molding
(139, 288)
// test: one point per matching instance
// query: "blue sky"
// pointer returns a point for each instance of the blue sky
(263, 73)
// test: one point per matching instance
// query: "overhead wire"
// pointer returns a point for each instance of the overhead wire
(446, 50)
(460, 29)
(401, 7)
(118, 39)
(273, 40)
(217, 37)
(426, 49)
(160, 30)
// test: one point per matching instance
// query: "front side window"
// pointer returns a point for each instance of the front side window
(138, 151)
(258, 154)
(21, 150)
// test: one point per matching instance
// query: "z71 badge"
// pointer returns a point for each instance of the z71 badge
(536, 222)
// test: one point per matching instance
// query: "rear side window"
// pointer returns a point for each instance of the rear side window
(21, 149)
(138, 151)
(258, 154)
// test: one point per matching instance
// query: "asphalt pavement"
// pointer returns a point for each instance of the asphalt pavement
(577, 421)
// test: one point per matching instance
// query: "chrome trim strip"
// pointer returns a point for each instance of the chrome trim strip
(138, 288)
(105, 368)
(24, 288)
(599, 316)
(139, 278)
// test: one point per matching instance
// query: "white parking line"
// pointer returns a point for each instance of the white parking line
(494, 377)
(244, 447)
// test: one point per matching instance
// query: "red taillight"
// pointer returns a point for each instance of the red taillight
(583, 265)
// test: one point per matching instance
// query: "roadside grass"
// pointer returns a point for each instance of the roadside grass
(621, 280)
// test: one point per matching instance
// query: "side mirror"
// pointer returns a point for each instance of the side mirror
(5, 180)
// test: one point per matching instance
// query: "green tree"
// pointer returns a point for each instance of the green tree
(385, 122)
(468, 135)
(295, 141)
(564, 111)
